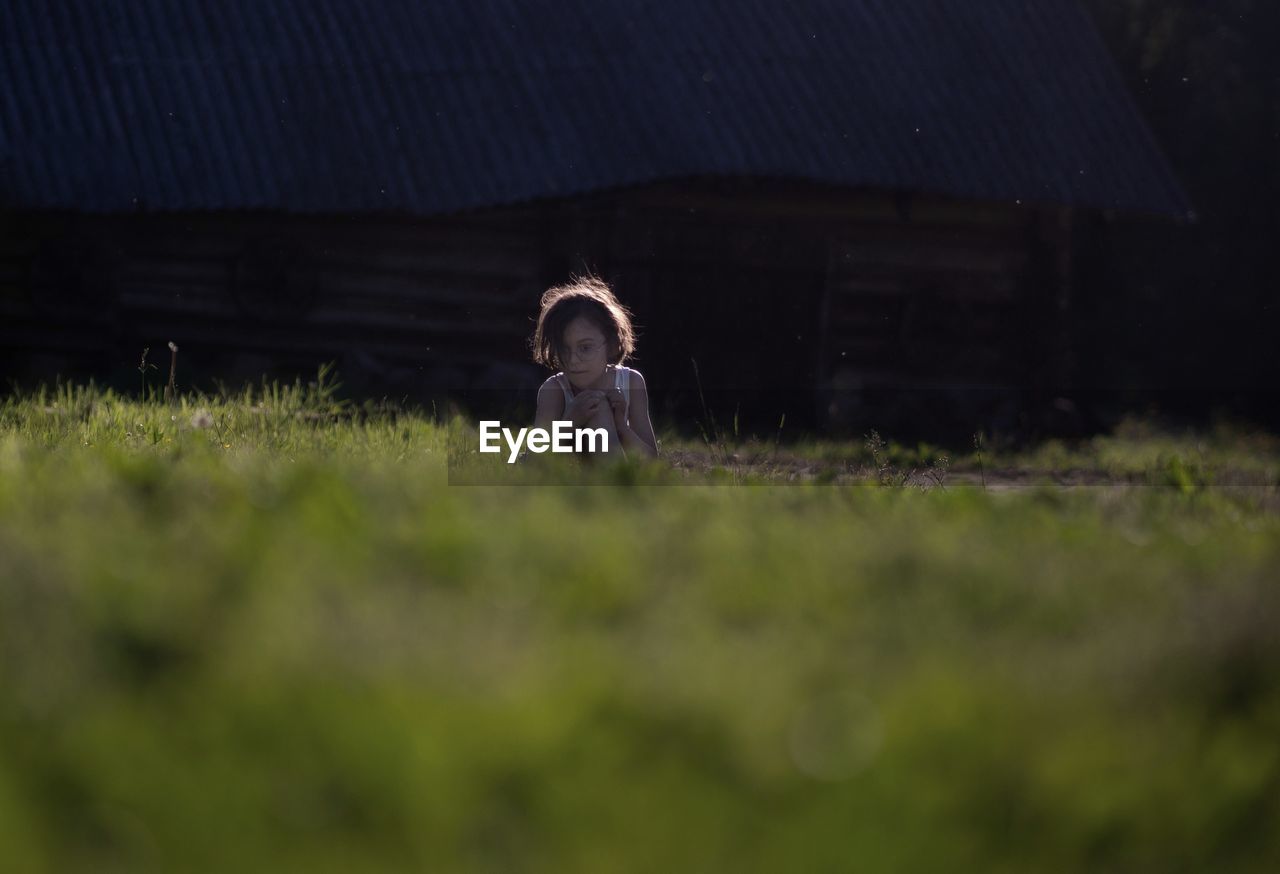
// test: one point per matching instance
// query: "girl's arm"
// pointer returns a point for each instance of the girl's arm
(550, 405)
(638, 435)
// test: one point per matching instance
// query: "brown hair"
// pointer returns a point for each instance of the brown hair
(592, 299)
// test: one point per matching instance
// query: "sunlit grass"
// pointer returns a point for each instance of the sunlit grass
(262, 631)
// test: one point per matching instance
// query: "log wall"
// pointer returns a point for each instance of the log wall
(789, 297)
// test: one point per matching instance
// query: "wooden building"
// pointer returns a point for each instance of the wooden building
(851, 212)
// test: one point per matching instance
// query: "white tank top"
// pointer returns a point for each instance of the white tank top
(622, 380)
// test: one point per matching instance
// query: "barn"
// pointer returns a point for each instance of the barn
(847, 211)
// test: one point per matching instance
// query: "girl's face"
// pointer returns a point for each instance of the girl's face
(585, 352)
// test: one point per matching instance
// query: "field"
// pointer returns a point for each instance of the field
(263, 632)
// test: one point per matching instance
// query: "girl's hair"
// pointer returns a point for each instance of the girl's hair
(592, 299)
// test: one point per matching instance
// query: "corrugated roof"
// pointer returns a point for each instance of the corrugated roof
(434, 107)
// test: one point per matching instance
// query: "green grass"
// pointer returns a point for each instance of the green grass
(285, 642)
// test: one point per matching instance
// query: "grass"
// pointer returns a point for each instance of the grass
(262, 631)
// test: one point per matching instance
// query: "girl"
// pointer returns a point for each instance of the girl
(585, 333)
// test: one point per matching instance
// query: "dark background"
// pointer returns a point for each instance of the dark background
(1184, 316)
(1167, 316)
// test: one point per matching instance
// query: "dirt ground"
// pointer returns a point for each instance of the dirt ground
(781, 468)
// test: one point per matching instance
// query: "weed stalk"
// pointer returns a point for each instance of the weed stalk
(977, 445)
(171, 390)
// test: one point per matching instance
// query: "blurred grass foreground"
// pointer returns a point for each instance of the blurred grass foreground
(262, 632)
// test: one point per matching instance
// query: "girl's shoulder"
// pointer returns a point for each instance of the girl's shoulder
(553, 384)
(634, 377)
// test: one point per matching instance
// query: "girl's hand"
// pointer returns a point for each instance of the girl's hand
(619, 404)
(584, 405)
